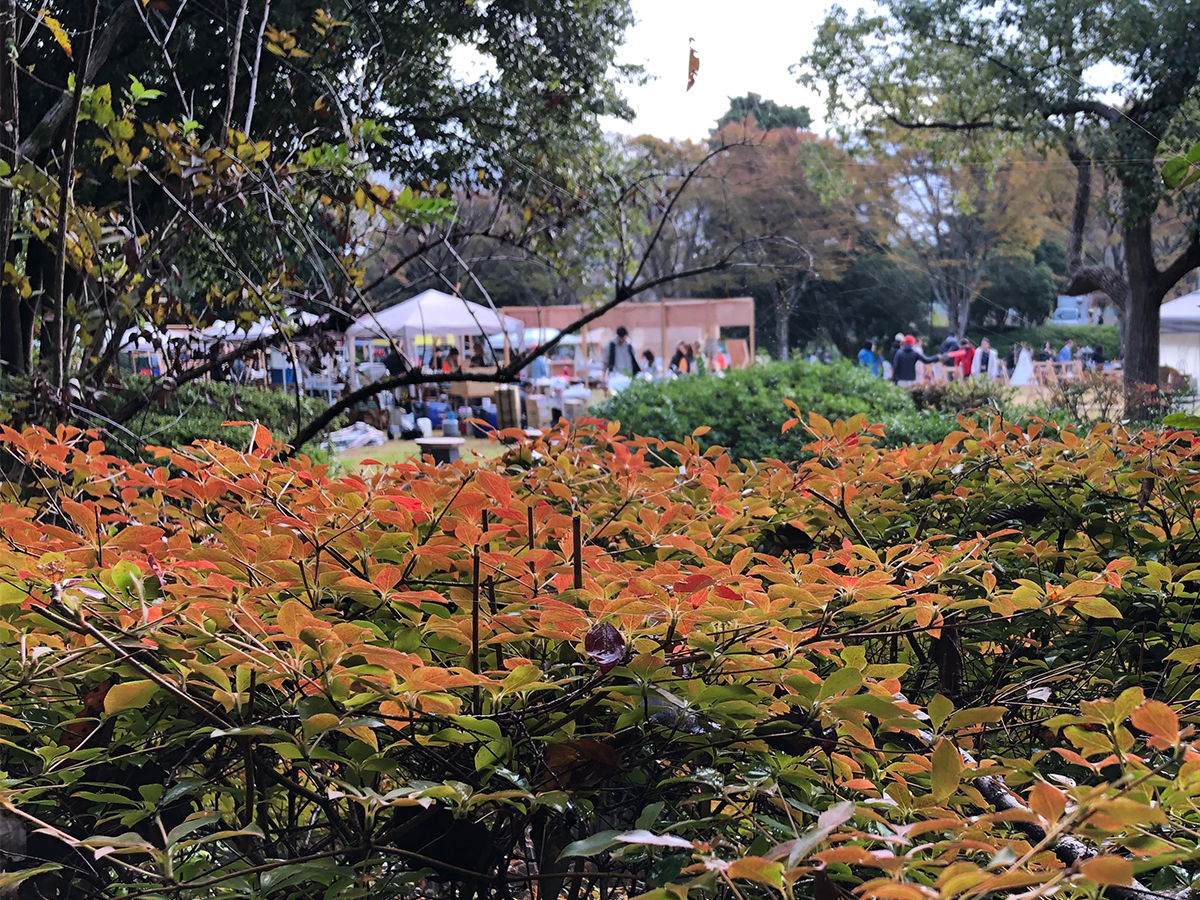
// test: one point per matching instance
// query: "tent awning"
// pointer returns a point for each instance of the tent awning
(431, 313)
(1181, 315)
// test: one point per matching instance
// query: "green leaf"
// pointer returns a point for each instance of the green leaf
(649, 814)
(939, 710)
(12, 879)
(590, 846)
(492, 754)
(182, 830)
(479, 729)
(843, 681)
(1097, 608)
(753, 868)
(1182, 420)
(966, 717)
(129, 695)
(1173, 171)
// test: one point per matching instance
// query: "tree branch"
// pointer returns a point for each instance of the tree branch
(1183, 263)
(1091, 107)
(43, 134)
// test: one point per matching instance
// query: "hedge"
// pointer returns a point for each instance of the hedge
(744, 409)
(199, 411)
(1057, 335)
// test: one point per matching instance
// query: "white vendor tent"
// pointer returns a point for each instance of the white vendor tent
(430, 313)
(1179, 335)
(222, 330)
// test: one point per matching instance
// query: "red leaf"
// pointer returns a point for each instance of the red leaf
(604, 646)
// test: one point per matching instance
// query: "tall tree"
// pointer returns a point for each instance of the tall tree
(1024, 66)
(375, 79)
(767, 114)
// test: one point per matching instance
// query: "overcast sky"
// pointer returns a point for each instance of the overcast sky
(744, 45)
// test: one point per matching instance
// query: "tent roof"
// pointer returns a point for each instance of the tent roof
(264, 327)
(434, 313)
(1181, 315)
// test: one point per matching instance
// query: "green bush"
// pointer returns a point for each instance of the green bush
(746, 413)
(1057, 335)
(199, 410)
(961, 396)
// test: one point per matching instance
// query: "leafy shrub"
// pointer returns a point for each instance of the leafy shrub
(963, 395)
(198, 411)
(250, 680)
(1083, 335)
(744, 410)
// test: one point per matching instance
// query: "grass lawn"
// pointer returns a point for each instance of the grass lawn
(398, 451)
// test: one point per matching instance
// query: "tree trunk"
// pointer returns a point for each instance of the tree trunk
(13, 358)
(783, 314)
(1145, 297)
(959, 325)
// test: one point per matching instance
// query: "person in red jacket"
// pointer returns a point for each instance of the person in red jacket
(964, 361)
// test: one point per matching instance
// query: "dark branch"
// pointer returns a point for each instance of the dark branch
(1183, 263)
(46, 131)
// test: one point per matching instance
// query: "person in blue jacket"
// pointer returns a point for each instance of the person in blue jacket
(869, 359)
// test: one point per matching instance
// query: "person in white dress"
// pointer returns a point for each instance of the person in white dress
(1023, 373)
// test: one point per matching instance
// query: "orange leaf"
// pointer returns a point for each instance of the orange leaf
(1048, 802)
(1160, 721)
(1107, 870)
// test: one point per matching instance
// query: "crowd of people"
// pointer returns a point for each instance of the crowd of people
(621, 359)
(909, 364)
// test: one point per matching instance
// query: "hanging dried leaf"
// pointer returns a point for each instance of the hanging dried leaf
(56, 29)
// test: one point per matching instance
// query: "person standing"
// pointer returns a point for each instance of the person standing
(679, 360)
(1022, 373)
(478, 356)
(619, 356)
(648, 356)
(986, 361)
(904, 364)
(868, 359)
(950, 344)
(967, 359)
(1064, 355)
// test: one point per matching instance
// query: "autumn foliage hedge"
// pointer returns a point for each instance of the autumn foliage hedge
(946, 670)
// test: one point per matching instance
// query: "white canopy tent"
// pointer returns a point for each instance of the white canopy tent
(432, 314)
(222, 330)
(1179, 335)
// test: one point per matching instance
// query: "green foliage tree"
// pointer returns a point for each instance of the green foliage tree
(1025, 285)
(767, 114)
(1022, 67)
(878, 296)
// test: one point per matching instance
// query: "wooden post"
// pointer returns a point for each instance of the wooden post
(577, 549)
(475, 627)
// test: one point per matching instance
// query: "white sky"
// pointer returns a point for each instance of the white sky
(744, 46)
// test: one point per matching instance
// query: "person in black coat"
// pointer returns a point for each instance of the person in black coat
(904, 363)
